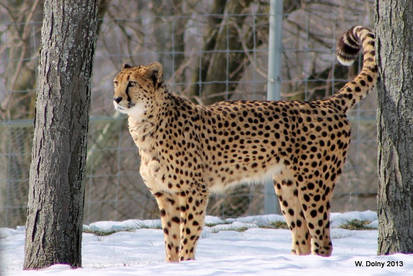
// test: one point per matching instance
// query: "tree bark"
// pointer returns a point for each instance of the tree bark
(394, 31)
(56, 189)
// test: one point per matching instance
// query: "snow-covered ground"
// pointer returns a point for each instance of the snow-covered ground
(241, 246)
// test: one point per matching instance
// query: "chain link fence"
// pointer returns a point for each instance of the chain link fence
(207, 57)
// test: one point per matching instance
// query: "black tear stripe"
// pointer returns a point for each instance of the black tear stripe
(127, 93)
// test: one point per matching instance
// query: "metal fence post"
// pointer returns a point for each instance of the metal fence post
(273, 84)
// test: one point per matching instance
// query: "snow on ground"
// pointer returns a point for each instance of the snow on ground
(240, 246)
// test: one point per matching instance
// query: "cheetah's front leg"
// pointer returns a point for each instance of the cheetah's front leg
(170, 217)
(193, 208)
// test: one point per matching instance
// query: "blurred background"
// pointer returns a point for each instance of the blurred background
(211, 50)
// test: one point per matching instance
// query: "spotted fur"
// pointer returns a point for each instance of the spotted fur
(188, 150)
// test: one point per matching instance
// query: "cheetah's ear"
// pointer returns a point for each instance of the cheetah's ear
(125, 66)
(154, 72)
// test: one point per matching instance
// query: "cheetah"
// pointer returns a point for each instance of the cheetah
(189, 150)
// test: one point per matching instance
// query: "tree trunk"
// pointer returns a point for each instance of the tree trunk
(394, 31)
(56, 189)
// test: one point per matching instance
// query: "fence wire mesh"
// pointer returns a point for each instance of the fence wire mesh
(207, 57)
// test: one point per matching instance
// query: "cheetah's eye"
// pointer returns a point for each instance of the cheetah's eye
(132, 83)
(115, 82)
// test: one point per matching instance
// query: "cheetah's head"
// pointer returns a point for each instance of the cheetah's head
(136, 87)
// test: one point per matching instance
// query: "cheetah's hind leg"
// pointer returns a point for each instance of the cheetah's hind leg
(286, 189)
(317, 215)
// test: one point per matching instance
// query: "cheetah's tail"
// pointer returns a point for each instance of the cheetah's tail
(348, 47)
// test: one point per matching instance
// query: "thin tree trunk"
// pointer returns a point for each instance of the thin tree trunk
(56, 190)
(19, 79)
(394, 31)
(221, 33)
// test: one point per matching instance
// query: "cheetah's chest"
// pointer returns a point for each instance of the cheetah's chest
(151, 171)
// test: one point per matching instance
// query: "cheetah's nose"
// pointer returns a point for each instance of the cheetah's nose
(118, 99)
